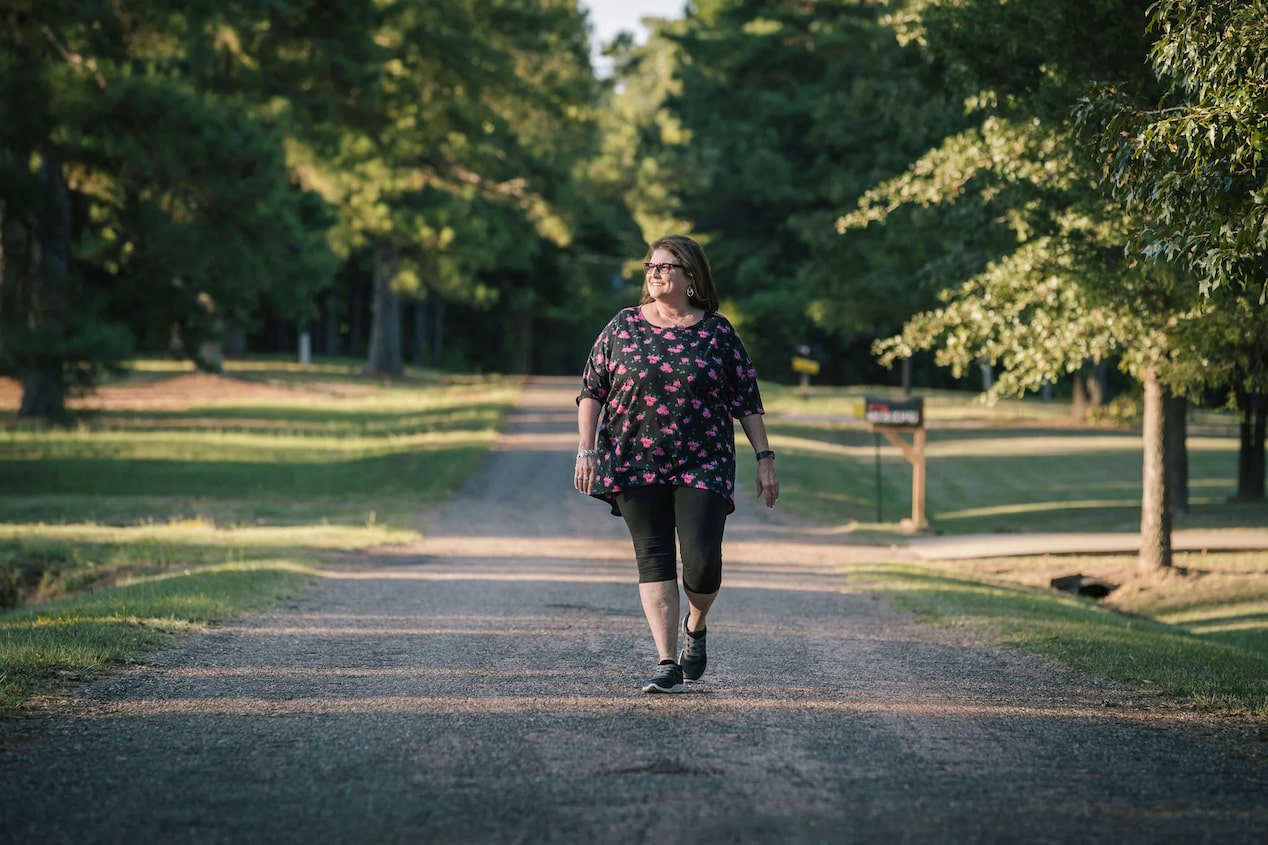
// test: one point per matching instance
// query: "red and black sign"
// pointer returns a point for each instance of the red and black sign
(908, 413)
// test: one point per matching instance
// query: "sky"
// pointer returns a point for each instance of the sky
(611, 16)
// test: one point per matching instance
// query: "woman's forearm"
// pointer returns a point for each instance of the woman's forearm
(755, 430)
(587, 422)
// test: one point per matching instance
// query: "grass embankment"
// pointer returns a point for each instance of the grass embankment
(183, 500)
(1197, 634)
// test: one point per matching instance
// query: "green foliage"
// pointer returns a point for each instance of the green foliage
(1192, 162)
(759, 120)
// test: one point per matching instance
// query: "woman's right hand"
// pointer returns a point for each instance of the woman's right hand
(583, 477)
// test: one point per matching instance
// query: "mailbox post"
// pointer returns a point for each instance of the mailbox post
(805, 366)
(893, 418)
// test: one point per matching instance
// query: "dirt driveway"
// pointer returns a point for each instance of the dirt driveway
(482, 687)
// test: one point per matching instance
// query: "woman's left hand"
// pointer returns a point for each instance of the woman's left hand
(767, 482)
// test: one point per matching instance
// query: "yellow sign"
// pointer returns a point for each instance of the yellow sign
(809, 366)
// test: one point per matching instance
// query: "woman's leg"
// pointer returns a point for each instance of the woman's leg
(660, 606)
(649, 515)
(701, 519)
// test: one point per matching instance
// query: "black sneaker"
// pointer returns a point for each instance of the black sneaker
(693, 657)
(668, 678)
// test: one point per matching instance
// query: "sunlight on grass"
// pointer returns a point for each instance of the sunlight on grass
(203, 533)
(1034, 507)
(1222, 676)
(44, 645)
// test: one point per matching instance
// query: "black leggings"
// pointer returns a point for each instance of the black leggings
(654, 513)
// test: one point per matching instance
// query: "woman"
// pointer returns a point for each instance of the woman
(668, 377)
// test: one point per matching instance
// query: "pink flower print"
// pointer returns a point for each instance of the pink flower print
(693, 445)
(608, 480)
(662, 410)
(707, 414)
(649, 477)
(669, 429)
(658, 452)
(676, 348)
(620, 370)
(647, 442)
(652, 359)
(650, 400)
(665, 368)
(623, 335)
(713, 374)
(689, 478)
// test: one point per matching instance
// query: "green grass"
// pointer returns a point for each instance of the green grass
(193, 502)
(367, 451)
(1015, 467)
(1222, 675)
(43, 646)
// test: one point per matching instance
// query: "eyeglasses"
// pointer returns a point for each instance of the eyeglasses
(659, 269)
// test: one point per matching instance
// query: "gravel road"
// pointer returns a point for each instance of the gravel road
(482, 686)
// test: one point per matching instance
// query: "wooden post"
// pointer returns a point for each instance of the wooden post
(915, 454)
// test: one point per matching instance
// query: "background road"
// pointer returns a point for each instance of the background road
(482, 686)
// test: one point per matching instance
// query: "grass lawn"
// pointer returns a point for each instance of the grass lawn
(183, 499)
(1016, 467)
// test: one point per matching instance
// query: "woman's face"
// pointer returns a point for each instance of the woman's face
(666, 282)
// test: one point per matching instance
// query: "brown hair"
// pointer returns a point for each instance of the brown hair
(691, 256)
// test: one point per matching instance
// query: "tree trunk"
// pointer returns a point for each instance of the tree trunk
(907, 376)
(419, 310)
(437, 329)
(522, 363)
(385, 355)
(1096, 387)
(1178, 453)
(330, 325)
(44, 381)
(356, 315)
(1155, 507)
(1089, 390)
(1250, 454)
(1078, 399)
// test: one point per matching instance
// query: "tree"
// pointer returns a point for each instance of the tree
(160, 199)
(758, 119)
(1064, 293)
(1191, 164)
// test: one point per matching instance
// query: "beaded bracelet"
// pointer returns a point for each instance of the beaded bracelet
(587, 453)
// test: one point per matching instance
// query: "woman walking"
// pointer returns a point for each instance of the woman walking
(664, 381)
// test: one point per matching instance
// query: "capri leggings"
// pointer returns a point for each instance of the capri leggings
(655, 513)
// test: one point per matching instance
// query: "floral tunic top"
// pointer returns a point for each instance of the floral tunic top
(668, 397)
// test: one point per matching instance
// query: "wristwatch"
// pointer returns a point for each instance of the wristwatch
(765, 453)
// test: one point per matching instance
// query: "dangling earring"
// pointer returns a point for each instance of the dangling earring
(691, 292)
